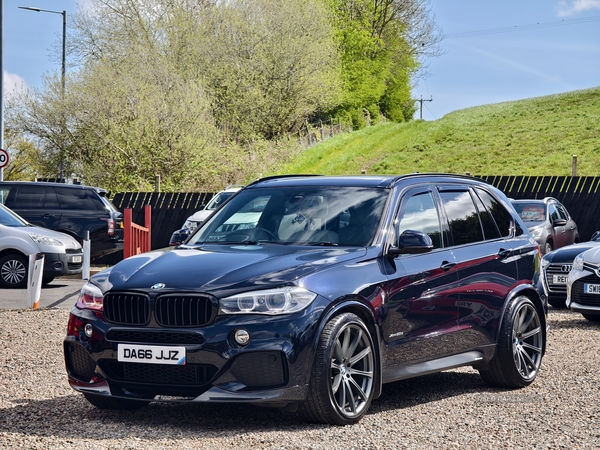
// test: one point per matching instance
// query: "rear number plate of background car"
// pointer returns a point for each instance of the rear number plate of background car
(151, 354)
(591, 288)
(560, 279)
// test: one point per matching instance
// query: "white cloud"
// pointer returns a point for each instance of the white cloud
(571, 7)
(13, 83)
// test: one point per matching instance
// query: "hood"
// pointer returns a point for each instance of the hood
(568, 253)
(592, 256)
(200, 216)
(222, 269)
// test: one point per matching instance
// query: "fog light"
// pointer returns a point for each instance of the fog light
(88, 330)
(242, 337)
(58, 265)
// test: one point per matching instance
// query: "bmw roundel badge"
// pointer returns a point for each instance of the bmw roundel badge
(158, 286)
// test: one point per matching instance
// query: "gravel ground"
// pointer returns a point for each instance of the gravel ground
(453, 409)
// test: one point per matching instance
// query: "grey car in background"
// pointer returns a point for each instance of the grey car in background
(548, 222)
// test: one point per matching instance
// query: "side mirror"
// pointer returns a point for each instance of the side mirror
(412, 242)
(179, 236)
(559, 223)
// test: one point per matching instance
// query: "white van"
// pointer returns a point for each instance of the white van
(63, 255)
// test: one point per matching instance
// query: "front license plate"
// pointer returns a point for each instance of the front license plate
(76, 259)
(591, 288)
(151, 354)
(560, 279)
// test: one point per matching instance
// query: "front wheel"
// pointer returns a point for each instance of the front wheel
(519, 350)
(342, 381)
(13, 271)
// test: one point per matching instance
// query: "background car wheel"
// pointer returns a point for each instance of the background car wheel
(102, 402)
(548, 248)
(592, 317)
(559, 303)
(342, 382)
(13, 271)
(519, 350)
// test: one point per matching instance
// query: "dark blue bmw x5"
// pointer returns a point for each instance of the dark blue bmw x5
(310, 292)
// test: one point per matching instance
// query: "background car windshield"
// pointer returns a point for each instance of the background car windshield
(531, 212)
(10, 219)
(218, 200)
(303, 215)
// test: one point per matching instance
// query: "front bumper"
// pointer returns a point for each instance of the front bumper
(273, 369)
(578, 299)
(58, 264)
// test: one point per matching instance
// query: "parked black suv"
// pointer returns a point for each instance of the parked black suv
(68, 208)
(311, 292)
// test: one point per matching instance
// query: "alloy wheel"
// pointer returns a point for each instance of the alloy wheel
(527, 341)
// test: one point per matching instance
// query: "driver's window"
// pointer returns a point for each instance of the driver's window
(420, 214)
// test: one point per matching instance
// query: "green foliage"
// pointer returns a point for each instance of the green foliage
(529, 137)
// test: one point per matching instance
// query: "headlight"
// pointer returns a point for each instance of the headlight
(545, 263)
(536, 232)
(90, 297)
(269, 301)
(44, 240)
(578, 263)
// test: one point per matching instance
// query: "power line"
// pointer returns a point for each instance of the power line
(533, 26)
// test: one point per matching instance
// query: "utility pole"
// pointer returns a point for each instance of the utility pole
(421, 102)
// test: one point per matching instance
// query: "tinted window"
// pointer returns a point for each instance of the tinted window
(462, 217)
(419, 214)
(79, 199)
(490, 231)
(553, 213)
(33, 197)
(501, 216)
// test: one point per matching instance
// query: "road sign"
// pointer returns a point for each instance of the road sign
(3, 158)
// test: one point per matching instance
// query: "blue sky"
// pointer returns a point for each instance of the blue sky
(530, 61)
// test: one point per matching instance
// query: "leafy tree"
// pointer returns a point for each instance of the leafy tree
(383, 44)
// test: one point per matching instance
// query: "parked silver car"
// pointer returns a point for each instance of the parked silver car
(548, 222)
(583, 285)
(63, 255)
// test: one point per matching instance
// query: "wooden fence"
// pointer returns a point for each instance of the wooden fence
(580, 195)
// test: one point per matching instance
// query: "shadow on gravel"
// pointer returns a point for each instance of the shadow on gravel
(71, 417)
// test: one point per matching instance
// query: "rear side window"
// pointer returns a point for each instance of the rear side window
(463, 219)
(32, 197)
(79, 199)
(501, 216)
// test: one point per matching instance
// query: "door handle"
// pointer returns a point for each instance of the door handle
(447, 265)
(503, 253)
(47, 216)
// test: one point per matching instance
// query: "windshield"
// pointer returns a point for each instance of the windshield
(10, 219)
(218, 200)
(302, 215)
(531, 212)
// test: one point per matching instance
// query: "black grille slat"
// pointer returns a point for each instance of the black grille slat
(127, 308)
(183, 310)
(155, 337)
(578, 296)
(161, 374)
(556, 269)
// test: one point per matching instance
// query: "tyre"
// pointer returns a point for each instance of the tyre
(342, 379)
(103, 402)
(548, 247)
(47, 280)
(13, 271)
(519, 350)
(559, 303)
(592, 317)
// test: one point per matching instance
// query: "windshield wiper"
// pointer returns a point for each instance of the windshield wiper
(325, 244)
